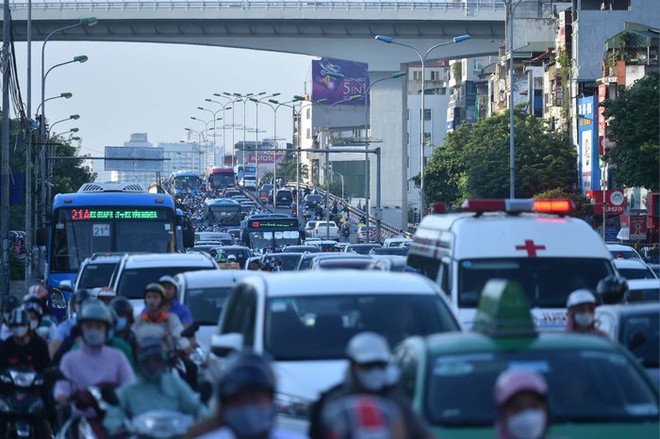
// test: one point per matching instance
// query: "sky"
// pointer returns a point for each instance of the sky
(127, 88)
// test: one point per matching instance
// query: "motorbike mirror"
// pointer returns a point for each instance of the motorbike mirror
(65, 285)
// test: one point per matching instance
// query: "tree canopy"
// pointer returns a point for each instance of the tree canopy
(473, 162)
(634, 127)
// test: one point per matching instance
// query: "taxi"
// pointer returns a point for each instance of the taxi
(596, 388)
(530, 241)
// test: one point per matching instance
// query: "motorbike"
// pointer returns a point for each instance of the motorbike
(159, 424)
(95, 399)
(22, 408)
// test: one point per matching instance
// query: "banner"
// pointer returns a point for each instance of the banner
(588, 144)
(266, 158)
(355, 80)
(616, 202)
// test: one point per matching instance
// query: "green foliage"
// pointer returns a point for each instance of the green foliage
(335, 188)
(583, 206)
(635, 129)
(457, 71)
(16, 267)
(474, 161)
(287, 169)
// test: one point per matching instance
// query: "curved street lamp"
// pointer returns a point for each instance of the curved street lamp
(422, 138)
(225, 106)
(256, 128)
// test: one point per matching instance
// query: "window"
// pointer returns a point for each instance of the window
(427, 114)
(417, 75)
(427, 138)
(309, 133)
(241, 314)
(308, 113)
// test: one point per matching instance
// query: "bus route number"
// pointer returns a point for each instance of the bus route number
(101, 230)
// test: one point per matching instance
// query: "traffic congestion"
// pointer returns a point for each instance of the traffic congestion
(224, 307)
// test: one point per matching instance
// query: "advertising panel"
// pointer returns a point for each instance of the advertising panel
(129, 158)
(637, 227)
(266, 158)
(615, 205)
(355, 80)
(588, 144)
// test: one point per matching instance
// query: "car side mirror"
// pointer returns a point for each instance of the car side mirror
(65, 285)
(224, 344)
(636, 341)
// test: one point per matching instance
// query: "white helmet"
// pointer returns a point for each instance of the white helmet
(579, 297)
(368, 347)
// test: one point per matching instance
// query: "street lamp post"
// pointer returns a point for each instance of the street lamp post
(422, 137)
(225, 106)
(215, 114)
(203, 132)
(243, 98)
(199, 142)
(256, 128)
(341, 177)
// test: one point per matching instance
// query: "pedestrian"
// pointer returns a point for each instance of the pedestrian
(370, 372)
(521, 400)
(581, 306)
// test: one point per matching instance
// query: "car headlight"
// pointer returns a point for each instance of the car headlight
(293, 406)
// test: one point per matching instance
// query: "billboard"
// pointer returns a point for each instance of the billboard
(266, 158)
(355, 80)
(130, 158)
(588, 144)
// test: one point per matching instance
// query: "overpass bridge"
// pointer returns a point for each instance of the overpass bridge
(342, 29)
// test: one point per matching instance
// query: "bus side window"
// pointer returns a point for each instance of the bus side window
(445, 277)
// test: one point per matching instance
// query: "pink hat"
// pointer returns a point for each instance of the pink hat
(511, 382)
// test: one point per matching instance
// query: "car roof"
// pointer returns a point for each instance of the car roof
(365, 245)
(212, 278)
(643, 284)
(340, 282)
(620, 247)
(169, 260)
(630, 308)
(340, 255)
(630, 263)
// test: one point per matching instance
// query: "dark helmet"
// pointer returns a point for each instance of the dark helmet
(9, 303)
(156, 288)
(93, 310)
(81, 295)
(122, 306)
(34, 307)
(18, 317)
(248, 371)
(612, 289)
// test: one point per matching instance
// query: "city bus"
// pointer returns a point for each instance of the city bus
(240, 170)
(221, 178)
(222, 212)
(108, 217)
(271, 231)
(184, 181)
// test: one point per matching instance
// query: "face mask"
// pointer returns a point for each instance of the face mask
(121, 324)
(250, 420)
(583, 319)
(34, 324)
(94, 337)
(19, 331)
(528, 424)
(373, 379)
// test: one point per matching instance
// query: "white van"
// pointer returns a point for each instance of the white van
(528, 241)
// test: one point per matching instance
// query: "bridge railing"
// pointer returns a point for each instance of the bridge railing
(460, 5)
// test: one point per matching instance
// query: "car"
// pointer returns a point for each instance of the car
(637, 327)
(134, 272)
(242, 253)
(388, 263)
(397, 242)
(362, 249)
(531, 241)
(643, 290)
(397, 251)
(95, 271)
(284, 197)
(307, 258)
(623, 252)
(302, 248)
(338, 261)
(290, 260)
(304, 322)
(230, 192)
(592, 382)
(325, 245)
(204, 293)
(309, 228)
(239, 198)
(205, 248)
(311, 201)
(362, 234)
(634, 269)
(325, 230)
(248, 205)
(249, 182)
(223, 237)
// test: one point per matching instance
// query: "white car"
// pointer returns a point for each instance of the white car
(325, 230)
(634, 269)
(644, 290)
(249, 182)
(623, 252)
(397, 242)
(304, 321)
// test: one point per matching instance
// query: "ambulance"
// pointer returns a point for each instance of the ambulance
(532, 242)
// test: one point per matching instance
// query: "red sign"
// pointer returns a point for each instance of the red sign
(530, 247)
(637, 227)
(616, 202)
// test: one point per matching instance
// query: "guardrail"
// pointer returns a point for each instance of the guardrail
(422, 5)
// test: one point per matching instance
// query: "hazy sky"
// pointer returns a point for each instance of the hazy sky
(127, 88)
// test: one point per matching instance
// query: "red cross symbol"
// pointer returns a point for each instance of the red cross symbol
(530, 247)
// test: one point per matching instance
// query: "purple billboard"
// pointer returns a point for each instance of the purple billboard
(355, 80)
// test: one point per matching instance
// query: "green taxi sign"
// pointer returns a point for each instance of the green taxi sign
(503, 310)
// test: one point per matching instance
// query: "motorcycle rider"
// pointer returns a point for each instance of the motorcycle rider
(8, 304)
(521, 398)
(372, 373)
(23, 349)
(158, 322)
(358, 416)
(40, 323)
(172, 304)
(124, 320)
(246, 403)
(154, 389)
(63, 330)
(581, 305)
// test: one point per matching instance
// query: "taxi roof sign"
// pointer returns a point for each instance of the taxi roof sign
(504, 310)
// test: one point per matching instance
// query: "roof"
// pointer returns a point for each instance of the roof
(213, 278)
(469, 342)
(339, 282)
(169, 260)
(529, 49)
(620, 248)
(222, 201)
(185, 174)
(638, 36)
(143, 199)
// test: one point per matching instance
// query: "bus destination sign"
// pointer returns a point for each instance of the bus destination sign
(274, 224)
(84, 214)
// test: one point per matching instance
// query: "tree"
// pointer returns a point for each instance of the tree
(474, 161)
(635, 128)
(287, 168)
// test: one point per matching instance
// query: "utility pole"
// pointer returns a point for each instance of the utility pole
(4, 198)
(28, 157)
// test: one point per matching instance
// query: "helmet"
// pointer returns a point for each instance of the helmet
(9, 303)
(106, 292)
(93, 310)
(579, 297)
(168, 280)
(231, 258)
(156, 288)
(248, 371)
(39, 291)
(83, 294)
(122, 306)
(612, 289)
(34, 307)
(30, 298)
(368, 347)
(19, 317)
(513, 381)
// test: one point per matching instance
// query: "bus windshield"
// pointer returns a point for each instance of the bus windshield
(263, 240)
(224, 215)
(79, 232)
(221, 180)
(187, 182)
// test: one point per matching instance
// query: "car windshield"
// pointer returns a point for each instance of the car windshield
(319, 327)
(289, 261)
(133, 280)
(636, 273)
(340, 264)
(644, 294)
(96, 275)
(640, 333)
(547, 282)
(205, 304)
(362, 249)
(575, 378)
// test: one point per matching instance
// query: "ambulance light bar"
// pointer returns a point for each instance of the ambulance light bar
(556, 206)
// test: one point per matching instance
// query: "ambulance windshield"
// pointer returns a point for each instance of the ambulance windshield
(547, 282)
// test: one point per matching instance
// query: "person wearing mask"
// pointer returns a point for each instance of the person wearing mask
(158, 322)
(581, 306)
(254, 265)
(9, 303)
(63, 330)
(521, 401)
(40, 323)
(245, 403)
(23, 349)
(124, 320)
(172, 304)
(370, 372)
(155, 388)
(95, 363)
